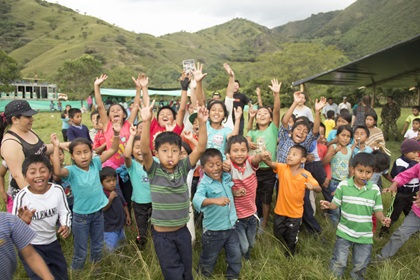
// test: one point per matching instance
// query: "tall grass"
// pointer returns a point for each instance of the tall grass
(267, 258)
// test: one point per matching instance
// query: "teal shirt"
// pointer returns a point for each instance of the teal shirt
(86, 188)
(140, 181)
(216, 217)
(216, 138)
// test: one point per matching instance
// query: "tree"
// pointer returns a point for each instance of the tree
(76, 76)
(9, 72)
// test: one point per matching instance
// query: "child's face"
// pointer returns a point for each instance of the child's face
(136, 152)
(184, 153)
(82, 156)
(238, 153)
(109, 183)
(344, 138)
(165, 117)
(213, 168)
(412, 155)
(116, 114)
(263, 117)
(341, 121)
(217, 113)
(77, 119)
(196, 126)
(360, 136)
(416, 126)
(415, 112)
(362, 174)
(169, 155)
(299, 133)
(37, 177)
(294, 157)
(370, 122)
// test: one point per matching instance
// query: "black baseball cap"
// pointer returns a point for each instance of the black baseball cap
(19, 108)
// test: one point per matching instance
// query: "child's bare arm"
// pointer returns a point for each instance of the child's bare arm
(327, 205)
(266, 157)
(202, 116)
(318, 107)
(275, 88)
(384, 220)
(185, 81)
(330, 154)
(114, 145)
(238, 114)
(129, 146)
(257, 159)
(57, 170)
(99, 150)
(297, 97)
(230, 86)
(141, 83)
(146, 115)
(127, 216)
(98, 99)
(198, 77)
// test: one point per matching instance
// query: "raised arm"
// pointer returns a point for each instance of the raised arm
(146, 115)
(98, 99)
(198, 77)
(258, 91)
(202, 116)
(116, 127)
(185, 81)
(57, 170)
(142, 83)
(238, 114)
(129, 146)
(318, 107)
(231, 84)
(297, 97)
(275, 88)
(266, 157)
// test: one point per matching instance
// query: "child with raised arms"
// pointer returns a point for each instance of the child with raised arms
(142, 200)
(41, 204)
(89, 198)
(169, 192)
(357, 198)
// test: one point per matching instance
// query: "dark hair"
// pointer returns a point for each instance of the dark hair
(364, 128)
(168, 137)
(292, 116)
(166, 107)
(330, 114)
(417, 120)
(186, 147)
(236, 139)
(122, 108)
(305, 119)
(107, 172)
(73, 111)
(382, 161)
(79, 141)
(302, 150)
(416, 107)
(373, 115)
(364, 159)
(322, 125)
(345, 114)
(94, 113)
(209, 153)
(35, 159)
(341, 128)
(5, 122)
(214, 102)
(296, 124)
(237, 81)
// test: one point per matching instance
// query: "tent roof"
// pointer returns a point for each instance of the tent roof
(395, 66)
(132, 92)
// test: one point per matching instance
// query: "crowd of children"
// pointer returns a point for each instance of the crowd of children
(159, 169)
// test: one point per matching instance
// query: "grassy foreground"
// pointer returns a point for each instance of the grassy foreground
(267, 259)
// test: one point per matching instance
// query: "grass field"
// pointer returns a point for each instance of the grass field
(267, 259)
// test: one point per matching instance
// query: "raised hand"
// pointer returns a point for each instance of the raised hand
(133, 130)
(141, 81)
(25, 214)
(187, 134)
(319, 105)
(252, 112)
(298, 97)
(100, 80)
(203, 114)
(146, 111)
(228, 69)
(198, 72)
(238, 113)
(54, 140)
(275, 86)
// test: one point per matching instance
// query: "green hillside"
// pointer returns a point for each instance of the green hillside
(40, 36)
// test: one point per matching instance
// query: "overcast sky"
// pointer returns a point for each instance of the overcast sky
(159, 17)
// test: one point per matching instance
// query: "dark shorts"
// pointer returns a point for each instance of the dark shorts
(266, 179)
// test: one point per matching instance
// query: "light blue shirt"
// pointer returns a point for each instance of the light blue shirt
(216, 138)
(367, 150)
(140, 181)
(216, 217)
(86, 187)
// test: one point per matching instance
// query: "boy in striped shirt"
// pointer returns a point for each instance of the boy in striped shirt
(358, 198)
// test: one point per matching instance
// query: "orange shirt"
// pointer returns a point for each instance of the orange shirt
(291, 191)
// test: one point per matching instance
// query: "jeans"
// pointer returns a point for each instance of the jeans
(360, 259)
(247, 229)
(87, 226)
(113, 238)
(334, 214)
(174, 251)
(212, 244)
(410, 226)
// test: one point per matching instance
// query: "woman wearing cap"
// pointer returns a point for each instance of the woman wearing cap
(19, 141)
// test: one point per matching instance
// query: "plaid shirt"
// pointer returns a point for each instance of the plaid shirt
(286, 142)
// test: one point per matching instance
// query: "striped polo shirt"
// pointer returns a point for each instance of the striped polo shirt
(169, 191)
(357, 206)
